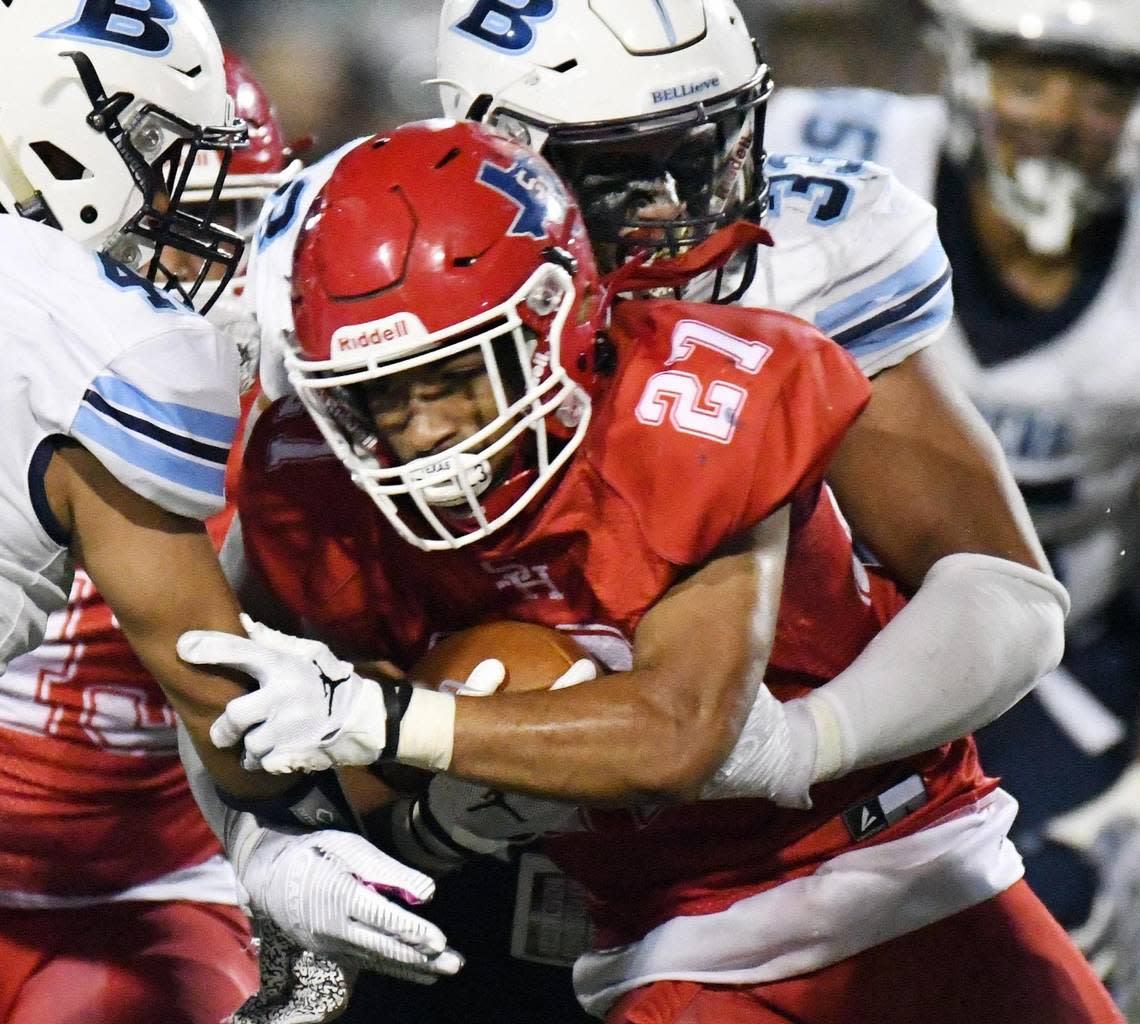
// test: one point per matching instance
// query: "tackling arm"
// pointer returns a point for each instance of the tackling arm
(160, 576)
(920, 476)
(922, 481)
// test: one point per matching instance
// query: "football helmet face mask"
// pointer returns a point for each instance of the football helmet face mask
(653, 112)
(106, 111)
(393, 286)
(1046, 99)
(256, 170)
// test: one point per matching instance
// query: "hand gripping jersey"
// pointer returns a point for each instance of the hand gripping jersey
(1066, 408)
(96, 353)
(662, 480)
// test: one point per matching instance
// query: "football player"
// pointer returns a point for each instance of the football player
(1031, 160)
(120, 400)
(498, 446)
(88, 751)
(655, 113)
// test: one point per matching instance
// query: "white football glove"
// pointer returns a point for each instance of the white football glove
(312, 711)
(774, 756)
(296, 986)
(328, 892)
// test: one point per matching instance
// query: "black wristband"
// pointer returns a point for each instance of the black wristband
(397, 697)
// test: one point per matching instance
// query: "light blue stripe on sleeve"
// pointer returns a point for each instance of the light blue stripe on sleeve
(196, 422)
(139, 452)
(933, 316)
(928, 267)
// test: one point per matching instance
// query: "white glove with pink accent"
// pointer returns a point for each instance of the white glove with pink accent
(335, 894)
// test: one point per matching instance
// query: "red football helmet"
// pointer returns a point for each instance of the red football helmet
(435, 239)
(256, 170)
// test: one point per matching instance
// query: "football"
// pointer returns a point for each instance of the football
(534, 656)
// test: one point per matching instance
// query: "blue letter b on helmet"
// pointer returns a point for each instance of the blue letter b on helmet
(138, 25)
(505, 25)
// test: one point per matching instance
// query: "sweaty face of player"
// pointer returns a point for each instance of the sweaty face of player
(1048, 108)
(429, 409)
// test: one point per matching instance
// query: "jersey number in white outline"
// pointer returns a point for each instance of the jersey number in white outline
(711, 412)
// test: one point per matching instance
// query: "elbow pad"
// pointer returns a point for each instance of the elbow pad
(977, 635)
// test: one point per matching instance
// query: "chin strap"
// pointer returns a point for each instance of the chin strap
(639, 275)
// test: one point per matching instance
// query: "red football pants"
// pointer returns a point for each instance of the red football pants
(124, 963)
(1005, 961)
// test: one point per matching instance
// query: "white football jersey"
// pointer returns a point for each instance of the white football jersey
(1067, 412)
(855, 253)
(94, 352)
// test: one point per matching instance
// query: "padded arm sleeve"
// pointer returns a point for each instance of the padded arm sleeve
(972, 642)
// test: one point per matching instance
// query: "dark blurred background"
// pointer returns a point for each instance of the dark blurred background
(343, 68)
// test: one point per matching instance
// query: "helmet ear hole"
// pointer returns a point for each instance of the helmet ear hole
(479, 107)
(60, 164)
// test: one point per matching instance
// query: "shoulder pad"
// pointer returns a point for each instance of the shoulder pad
(856, 253)
(905, 133)
(717, 417)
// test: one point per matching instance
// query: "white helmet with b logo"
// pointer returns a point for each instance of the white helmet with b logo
(106, 107)
(651, 109)
(1047, 189)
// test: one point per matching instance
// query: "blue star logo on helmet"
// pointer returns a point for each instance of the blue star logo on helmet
(504, 25)
(136, 25)
(532, 188)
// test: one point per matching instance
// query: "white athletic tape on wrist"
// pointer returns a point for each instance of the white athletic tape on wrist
(427, 730)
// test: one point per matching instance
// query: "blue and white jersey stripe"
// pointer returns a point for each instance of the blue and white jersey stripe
(913, 301)
(176, 444)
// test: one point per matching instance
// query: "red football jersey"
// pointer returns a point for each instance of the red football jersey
(716, 417)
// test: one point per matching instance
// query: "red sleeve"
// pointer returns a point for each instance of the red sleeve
(289, 480)
(219, 524)
(703, 440)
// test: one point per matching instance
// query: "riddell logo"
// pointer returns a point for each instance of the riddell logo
(396, 328)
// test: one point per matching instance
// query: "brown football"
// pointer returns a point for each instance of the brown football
(534, 656)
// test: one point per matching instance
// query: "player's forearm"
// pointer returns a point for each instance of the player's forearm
(972, 642)
(616, 740)
(198, 697)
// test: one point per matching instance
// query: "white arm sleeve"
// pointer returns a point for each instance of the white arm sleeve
(977, 635)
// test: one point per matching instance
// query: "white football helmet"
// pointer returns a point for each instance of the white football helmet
(1046, 197)
(105, 110)
(653, 110)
